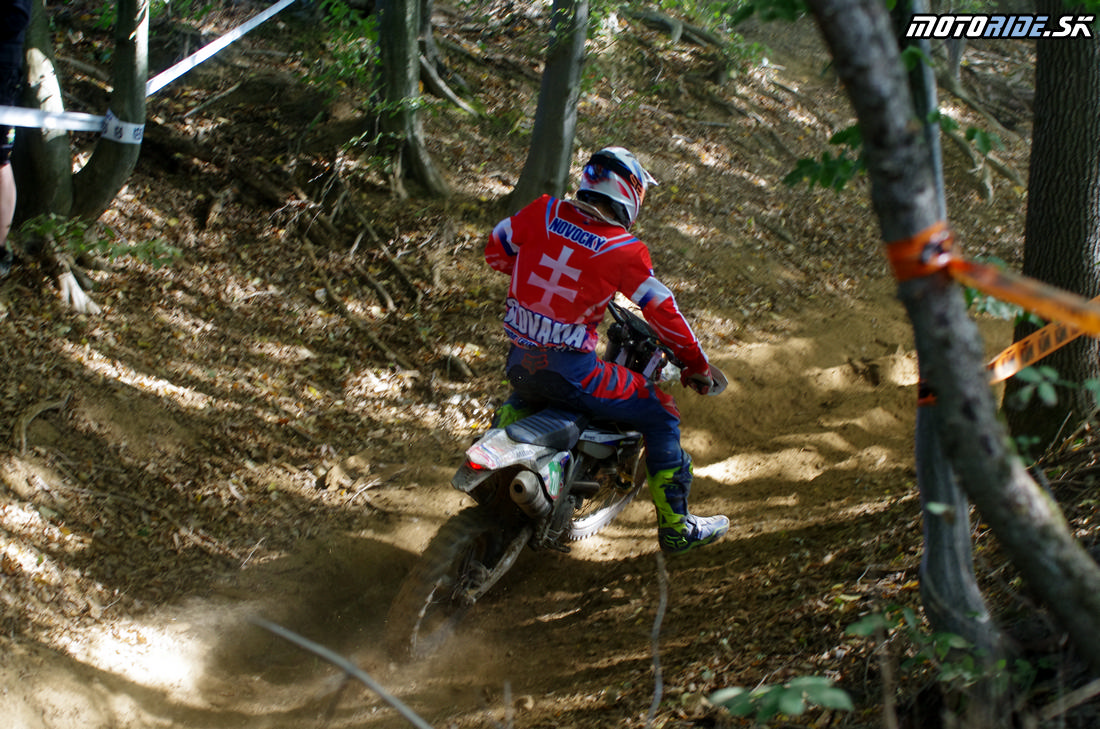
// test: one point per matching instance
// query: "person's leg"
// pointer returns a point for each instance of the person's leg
(9, 94)
(615, 393)
(7, 212)
(678, 530)
(7, 201)
(512, 410)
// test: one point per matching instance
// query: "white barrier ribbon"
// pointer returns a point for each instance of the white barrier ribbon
(111, 126)
(122, 132)
(17, 116)
(164, 78)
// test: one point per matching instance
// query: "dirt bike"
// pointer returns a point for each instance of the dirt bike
(541, 482)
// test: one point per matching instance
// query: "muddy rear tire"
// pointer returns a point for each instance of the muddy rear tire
(435, 596)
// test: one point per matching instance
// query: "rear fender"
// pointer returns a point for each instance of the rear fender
(494, 452)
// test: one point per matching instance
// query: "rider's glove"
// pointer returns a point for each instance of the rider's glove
(701, 382)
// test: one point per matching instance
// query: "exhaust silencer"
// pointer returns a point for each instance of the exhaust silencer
(526, 491)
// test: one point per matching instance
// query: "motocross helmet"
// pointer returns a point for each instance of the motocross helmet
(615, 176)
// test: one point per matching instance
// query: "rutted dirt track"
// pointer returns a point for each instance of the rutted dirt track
(809, 453)
(175, 495)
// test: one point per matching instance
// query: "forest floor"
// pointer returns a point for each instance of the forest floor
(233, 436)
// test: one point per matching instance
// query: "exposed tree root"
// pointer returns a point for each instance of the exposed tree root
(29, 416)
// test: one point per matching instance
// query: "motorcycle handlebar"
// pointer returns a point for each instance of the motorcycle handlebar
(640, 326)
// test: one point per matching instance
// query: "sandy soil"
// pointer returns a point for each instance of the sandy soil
(174, 497)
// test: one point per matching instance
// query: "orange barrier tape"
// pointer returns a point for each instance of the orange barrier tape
(931, 251)
(923, 254)
(1031, 349)
(1047, 301)
(925, 396)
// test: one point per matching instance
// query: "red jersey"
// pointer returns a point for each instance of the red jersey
(566, 266)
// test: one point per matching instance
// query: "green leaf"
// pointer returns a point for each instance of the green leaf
(983, 140)
(791, 702)
(913, 56)
(831, 697)
(768, 705)
(946, 123)
(867, 625)
(738, 701)
(849, 136)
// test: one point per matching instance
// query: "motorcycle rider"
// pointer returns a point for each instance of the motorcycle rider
(567, 259)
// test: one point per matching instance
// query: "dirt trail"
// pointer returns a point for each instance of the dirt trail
(814, 431)
(181, 490)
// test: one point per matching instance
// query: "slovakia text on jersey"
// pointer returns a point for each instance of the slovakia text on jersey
(530, 329)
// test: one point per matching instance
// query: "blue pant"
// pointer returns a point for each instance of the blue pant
(584, 383)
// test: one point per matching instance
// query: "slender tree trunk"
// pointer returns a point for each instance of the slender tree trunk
(398, 26)
(550, 155)
(43, 160)
(1024, 518)
(949, 588)
(1062, 235)
(98, 182)
(428, 47)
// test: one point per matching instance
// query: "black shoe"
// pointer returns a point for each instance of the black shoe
(6, 259)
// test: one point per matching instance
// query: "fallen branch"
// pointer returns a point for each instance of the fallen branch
(213, 99)
(955, 89)
(662, 604)
(676, 28)
(979, 169)
(435, 83)
(342, 309)
(1068, 701)
(347, 667)
(390, 258)
(73, 295)
(499, 60)
(383, 294)
(60, 265)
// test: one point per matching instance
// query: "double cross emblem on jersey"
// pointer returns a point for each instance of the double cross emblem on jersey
(559, 268)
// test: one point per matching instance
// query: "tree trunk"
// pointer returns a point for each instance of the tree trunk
(98, 182)
(398, 26)
(1024, 518)
(1062, 235)
(949, 588)
(428, 47)
(43, 160)
(550, 154)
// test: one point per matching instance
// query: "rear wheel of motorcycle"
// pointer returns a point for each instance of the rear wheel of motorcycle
(598, 511)
(434, 597)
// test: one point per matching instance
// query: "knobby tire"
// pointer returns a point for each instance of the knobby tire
(429, 604)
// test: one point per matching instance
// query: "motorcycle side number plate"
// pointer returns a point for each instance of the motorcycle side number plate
(494, 453)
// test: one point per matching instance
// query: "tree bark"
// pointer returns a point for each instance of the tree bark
(1024, 518)
(550, 154)
(398, 26)
(1062, 232)
(98, 182)
(43, 160)
(949, 588)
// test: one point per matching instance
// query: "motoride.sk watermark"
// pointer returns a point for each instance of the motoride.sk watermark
(951, 25)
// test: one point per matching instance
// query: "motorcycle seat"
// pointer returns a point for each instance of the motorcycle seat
(550, 428)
